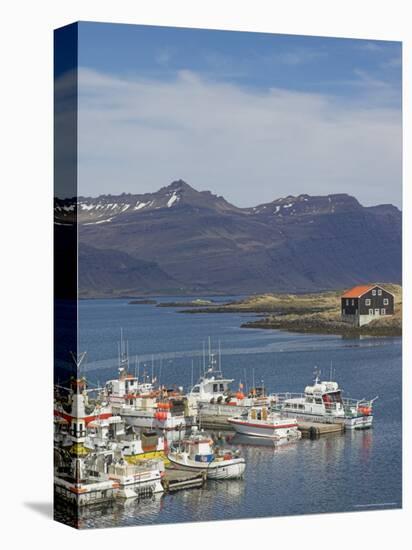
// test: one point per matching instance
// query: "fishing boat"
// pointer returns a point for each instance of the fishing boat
(323, 402)
(137, 480)
(137, 447)
(166, 415)
(89, 488)
(197, 453)
(213, 395)
(119, 389)
(212, 387)
(261, 422)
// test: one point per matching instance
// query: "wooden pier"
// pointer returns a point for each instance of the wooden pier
(176, 479)
(313, 430)
(214, 422)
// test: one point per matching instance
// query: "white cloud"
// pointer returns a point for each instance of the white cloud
(136, 135)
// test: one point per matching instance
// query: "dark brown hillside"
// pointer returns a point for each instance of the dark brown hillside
(203, 244)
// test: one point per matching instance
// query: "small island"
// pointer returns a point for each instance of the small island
(192, 303)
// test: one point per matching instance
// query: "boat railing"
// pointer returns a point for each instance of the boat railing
(279, 398)
(356, 406)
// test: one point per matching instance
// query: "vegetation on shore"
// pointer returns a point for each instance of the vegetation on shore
(311, 313)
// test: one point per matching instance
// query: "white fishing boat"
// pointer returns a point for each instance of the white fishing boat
(151, 413)
(119, 389)
(137, 480)
(136, 447)
(323, 402)
(85, 490)
(212, 394)
(261, 422)
(196, 453)
(212, 387)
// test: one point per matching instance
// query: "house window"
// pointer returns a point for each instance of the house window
(353, 302)
(383, 311)
(367, 302)
(347, 302)
(371, 312)
(385, 301)
(374, 292)
(379, 292)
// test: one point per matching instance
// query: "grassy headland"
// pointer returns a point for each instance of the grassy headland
(314, 312)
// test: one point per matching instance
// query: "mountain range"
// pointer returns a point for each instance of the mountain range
(182, 241)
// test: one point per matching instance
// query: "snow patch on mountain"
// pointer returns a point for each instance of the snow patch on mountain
(174, 198)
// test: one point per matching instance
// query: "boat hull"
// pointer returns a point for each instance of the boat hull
(138, 485)
(283, 431)
(226, 469)
(148, 421)
(360, 422)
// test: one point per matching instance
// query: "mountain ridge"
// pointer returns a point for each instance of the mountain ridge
(198, 242)
(178, 193)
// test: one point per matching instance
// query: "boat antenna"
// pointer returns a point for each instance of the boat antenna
(204, 358)
(253, 378)
(78, 360)
(244, 373)
(330, 376)
(220, 358)
(191, 380)
(160, 370)
(152, 367)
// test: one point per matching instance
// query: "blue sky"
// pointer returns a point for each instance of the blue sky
(247, 115)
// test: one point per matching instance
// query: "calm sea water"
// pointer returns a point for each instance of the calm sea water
(350, 472)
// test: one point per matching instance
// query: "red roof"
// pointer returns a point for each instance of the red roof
(357, 291)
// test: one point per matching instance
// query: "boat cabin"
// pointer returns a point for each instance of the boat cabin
(322, 397)
(211, 387)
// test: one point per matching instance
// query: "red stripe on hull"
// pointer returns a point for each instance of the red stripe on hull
(86, 419)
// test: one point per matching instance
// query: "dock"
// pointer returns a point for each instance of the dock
(313, 430)
(214, 422)
(310, 430)
(175, 479)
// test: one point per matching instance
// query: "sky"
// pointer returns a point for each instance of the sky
(249, 116)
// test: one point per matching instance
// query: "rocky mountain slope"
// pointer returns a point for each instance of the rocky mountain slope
(197, 242)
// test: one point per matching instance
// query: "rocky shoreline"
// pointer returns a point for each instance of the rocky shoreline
(320, 326)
